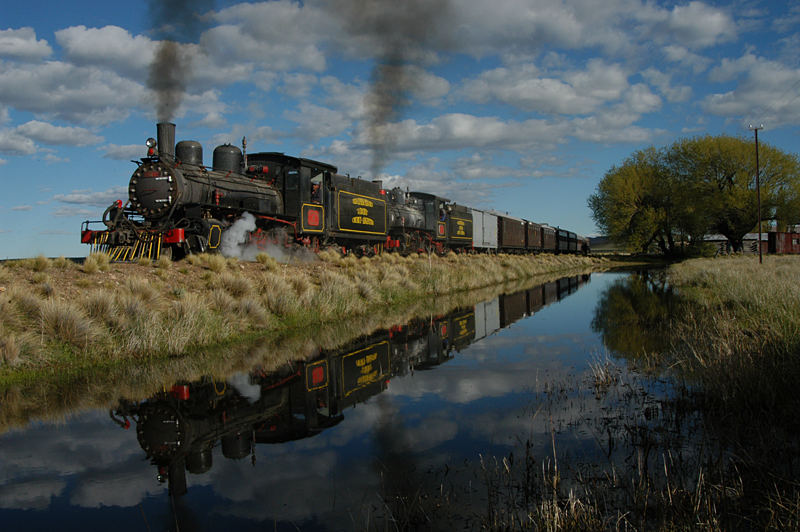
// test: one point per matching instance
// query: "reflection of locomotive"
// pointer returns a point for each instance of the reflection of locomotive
(177, 205)
(178, 429)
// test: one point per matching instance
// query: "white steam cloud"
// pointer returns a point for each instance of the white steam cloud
(237, 242)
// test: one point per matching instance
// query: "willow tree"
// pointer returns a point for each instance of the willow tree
(636, 203)
(693, 187)
(722, 170)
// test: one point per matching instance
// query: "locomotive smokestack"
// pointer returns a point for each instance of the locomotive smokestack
(166, 140)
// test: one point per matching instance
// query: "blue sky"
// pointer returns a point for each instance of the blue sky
(515, 105)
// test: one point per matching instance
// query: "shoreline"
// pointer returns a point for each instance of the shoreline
(57, 316)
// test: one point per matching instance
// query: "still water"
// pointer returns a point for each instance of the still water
(404, 421)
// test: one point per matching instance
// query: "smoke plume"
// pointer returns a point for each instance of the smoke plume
(402, 33)
(236, 242)
(174, 22)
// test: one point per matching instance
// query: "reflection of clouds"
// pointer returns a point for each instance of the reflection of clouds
(30, 494)
(293, 486)
(115, 488)
(431, 433)
(480, 403)
(103, 462)
(83, 442)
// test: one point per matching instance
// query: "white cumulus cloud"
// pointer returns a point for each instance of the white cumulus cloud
(22, 44)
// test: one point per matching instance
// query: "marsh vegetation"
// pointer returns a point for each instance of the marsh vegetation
(701, 434)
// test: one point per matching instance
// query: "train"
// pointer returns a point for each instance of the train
(176, 206)
(179, 427)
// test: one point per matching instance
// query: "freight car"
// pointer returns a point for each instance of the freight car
(176, 205)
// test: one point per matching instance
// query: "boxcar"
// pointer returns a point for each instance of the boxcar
(572, 240)
(511, 233)
(549, 239)
(484, 230)
(562, 240)
(533, 236)
(783, 243)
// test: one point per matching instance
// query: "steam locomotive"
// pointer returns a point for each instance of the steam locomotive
(177, 205)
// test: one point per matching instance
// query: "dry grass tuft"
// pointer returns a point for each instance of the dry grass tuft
(96, 262)
(330, 255)
(141, 288)
(222, 301)
(9, 348)
(66, 322)
(163, 263)
(237, 285)
(215, 263)
(40, 263)
(251, 309)
(269, 262)
(62, 263)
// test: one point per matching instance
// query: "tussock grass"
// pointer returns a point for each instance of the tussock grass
(142, 289)
(62, 263)
(66, 322)
(163, 263)
(268, 262)
(236, 285)
(222, 301)
(330, 255)
(96, 262)
(134, 311)
(9, 348)
(39, 263)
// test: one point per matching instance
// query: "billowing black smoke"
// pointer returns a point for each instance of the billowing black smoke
(173, 22)
(404, 33)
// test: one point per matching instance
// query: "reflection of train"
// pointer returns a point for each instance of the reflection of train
(178, 429)
(176, 205)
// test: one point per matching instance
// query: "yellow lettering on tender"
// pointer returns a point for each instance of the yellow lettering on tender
(363, 220)
(366, 379)
(364, 202)
(361, 211)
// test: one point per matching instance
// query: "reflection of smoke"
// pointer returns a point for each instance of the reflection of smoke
(241, 382)
(237, 242)
(175, 21)
(399, 31)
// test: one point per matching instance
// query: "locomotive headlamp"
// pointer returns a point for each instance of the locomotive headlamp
(150, 143)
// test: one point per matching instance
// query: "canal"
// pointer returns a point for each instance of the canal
(462, 420)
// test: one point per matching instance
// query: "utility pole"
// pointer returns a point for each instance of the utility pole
(758, 190)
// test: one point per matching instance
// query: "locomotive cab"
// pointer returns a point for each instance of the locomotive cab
(436, 213)
(302, 181)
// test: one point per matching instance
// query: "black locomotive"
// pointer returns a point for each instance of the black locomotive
(177, 205)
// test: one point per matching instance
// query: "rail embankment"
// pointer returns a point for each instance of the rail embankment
(58, 317)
